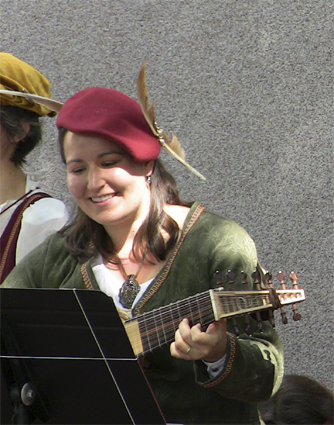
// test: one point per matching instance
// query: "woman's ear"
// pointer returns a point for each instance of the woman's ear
(25, 130)
(149, 168)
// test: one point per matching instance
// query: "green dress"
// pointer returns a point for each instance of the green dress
(184, 390)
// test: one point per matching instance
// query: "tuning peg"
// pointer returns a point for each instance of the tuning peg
(281, 278)
(268, 280)
(244, 282)
(256, 279)
(230, 278)
(269, 284)
(218, 275)
(296, 315)
(236, 327)
(248, 326)
(294, 280)
(257, 283)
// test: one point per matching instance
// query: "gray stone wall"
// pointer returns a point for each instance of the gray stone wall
(247, 86)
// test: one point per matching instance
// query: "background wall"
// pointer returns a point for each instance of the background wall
(247, 88)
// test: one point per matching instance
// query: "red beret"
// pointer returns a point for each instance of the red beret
(112, 115)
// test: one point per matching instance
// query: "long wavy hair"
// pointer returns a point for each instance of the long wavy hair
(84, 236)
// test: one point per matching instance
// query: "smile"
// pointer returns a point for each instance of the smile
(102, 198)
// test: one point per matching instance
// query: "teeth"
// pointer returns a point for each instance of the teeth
(102, 198)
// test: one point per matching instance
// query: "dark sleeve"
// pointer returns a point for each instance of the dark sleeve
(48, 266)
(254, 363)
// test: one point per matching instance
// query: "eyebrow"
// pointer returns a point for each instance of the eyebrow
(101, 155)
(109, 153)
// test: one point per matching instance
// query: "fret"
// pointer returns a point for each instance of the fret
(143, 328)
(163, 327)
(157, 327)
(191, 312)
(174, 322)
(178, 310)
(230, 304)
(198, 307)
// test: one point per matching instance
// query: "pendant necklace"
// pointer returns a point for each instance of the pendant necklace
(130, 288)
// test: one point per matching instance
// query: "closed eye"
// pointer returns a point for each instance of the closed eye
(109, 164)
(77, 170)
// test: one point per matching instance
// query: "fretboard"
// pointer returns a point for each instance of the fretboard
(156, 328)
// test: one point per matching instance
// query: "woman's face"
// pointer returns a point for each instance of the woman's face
(105, 181)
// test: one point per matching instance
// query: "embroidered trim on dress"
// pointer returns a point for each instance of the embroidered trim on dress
(85, 276)
(232, 339)
(156, 285)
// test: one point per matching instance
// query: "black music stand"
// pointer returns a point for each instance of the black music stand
(66, 353)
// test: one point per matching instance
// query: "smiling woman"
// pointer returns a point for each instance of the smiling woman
(135, 239)
(105, 182)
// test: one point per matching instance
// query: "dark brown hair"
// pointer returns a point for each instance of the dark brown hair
(11, 118)
(85, 236)
(299, 400)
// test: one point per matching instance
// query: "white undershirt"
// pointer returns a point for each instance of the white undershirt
(40, 220)
(110, 285)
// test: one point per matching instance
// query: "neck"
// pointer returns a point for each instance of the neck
(123, 234)
(12, 181)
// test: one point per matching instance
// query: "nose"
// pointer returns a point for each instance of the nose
(95, 178)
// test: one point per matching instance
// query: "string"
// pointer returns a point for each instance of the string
(158, 327)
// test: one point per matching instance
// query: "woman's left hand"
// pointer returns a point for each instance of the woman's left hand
(193, 344)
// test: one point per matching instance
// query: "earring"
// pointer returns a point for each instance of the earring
(149, 179)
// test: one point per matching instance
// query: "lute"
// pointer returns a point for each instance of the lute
(156, 328)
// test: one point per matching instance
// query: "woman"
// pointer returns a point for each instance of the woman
(136, 240)
(27, 215)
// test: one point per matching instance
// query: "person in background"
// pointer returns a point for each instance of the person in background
(136, 240)
(27, 215)
(299, 400)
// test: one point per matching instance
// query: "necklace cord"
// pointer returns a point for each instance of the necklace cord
(134, 276)
(130, 287)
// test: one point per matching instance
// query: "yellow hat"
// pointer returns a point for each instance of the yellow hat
(16, 75)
